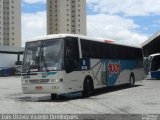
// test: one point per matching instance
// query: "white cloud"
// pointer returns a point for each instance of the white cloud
(119, 28)
(126, 7)
(33, 25)
(101, 25)
(157, 22)
(34, 1)
(114, 27)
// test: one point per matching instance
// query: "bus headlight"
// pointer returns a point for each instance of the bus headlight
(56, 80)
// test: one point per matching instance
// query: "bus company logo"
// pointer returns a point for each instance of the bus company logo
(44, 75)
(114, 68)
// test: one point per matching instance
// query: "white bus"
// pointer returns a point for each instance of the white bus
(65, 63)
(152, 66)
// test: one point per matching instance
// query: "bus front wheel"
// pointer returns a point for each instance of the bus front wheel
(54, 96)
(88, 87)
(132, 80)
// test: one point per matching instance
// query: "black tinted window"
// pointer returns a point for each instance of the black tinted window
(98, 50)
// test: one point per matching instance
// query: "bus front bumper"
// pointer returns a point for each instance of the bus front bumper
(57, 88)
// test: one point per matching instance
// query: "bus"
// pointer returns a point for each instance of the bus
(152, 66)
(66, 63)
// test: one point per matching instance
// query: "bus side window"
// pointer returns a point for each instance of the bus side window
(71, 54)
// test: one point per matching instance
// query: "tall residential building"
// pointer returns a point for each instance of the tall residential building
(66, 16)
(10, 23)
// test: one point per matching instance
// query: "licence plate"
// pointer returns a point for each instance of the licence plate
(38, 87)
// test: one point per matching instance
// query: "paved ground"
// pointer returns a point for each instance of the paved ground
(143, 98)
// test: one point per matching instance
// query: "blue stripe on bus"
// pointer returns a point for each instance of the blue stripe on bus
(115, 67)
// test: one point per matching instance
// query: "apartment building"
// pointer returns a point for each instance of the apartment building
(66, 16)
(10, 23)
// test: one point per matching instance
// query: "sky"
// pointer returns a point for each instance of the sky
(125, 21)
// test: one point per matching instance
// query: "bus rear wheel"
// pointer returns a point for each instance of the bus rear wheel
(88, 87)
(132, 80)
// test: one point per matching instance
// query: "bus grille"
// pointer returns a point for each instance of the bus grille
(39, 81)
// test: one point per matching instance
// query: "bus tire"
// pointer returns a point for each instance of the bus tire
(88, 87)
(54, 96)
(132, 80)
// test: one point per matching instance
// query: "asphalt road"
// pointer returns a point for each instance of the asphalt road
(143, 98)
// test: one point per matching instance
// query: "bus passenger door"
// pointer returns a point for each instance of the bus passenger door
(72, 65)
(71, 55)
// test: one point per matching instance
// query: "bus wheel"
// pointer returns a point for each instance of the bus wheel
(88, 87)
(132, 80)
(54, 96)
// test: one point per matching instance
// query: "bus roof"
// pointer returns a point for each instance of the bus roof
(109, 41)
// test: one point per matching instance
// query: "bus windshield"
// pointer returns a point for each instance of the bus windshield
(44, 56)
(155, 65)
